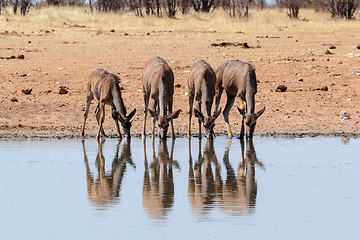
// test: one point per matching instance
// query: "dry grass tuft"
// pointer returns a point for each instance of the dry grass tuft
(259, 20)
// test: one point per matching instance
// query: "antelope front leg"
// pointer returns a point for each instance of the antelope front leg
(229, 104)
(146, 100)
(198, 107)
(97, 113)
(241, 105)
(118, 129)
(170, 103)
(191, 102)
(102, 117)
(88, 102)
(218, 93)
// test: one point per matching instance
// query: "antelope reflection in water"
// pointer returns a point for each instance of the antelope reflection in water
(104, 190)
(236, 194)
(158, 185)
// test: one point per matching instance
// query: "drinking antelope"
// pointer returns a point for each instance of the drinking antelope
(201, 86)
(158, 88)
(239, 81)
(105, 87)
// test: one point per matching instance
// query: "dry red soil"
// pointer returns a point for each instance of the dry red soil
(321, 71)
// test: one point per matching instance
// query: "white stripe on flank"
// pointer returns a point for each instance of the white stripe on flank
(98, 79)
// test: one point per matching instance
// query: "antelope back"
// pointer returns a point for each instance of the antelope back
(157, 77)
(102, 81)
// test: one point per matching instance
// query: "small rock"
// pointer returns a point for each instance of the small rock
(63, 90)
(21, 57)
(332, 46)
(328, 52)
(358, 46)
(112, 30)
(186, 94)
(344, 116)
(14, 100)
(324, 88)
(61, 68)
(177, 85)
(281, 88)
(140, 90)
(26, 91)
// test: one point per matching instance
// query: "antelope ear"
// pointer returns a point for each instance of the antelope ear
(216, 115)
(130, 116)
(198, 115)
(260, 112)
(241, 111)
(153, 114)
(174, 115)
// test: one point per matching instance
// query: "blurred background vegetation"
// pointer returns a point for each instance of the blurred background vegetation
(345, 9)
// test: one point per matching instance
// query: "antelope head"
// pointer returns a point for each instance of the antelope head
(208, 122)
(250, 121)
(163, 121)
(125, 121)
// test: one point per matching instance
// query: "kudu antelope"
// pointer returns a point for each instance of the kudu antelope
(239, 81)
(158, 88)
(105, 87)
(201, 86)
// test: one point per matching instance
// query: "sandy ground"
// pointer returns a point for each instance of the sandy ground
(64, 56)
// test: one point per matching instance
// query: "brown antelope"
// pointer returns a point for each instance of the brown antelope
(239, 81)
(158, 88)
(201, 86)
(105, 87)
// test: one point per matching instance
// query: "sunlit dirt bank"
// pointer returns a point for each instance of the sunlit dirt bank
(47, 56)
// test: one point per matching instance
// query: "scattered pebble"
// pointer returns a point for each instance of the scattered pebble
(281, 88)
(344, 116)
(140, 90)
(328, 52)
(332, 46)
(14, 100)
(63, 90)
(26, 91)
(61, 68)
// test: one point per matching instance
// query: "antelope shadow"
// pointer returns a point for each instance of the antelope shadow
(158, 182)
(104, 187)
(236, 193)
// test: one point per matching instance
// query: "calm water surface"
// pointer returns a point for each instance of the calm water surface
(273, 188)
